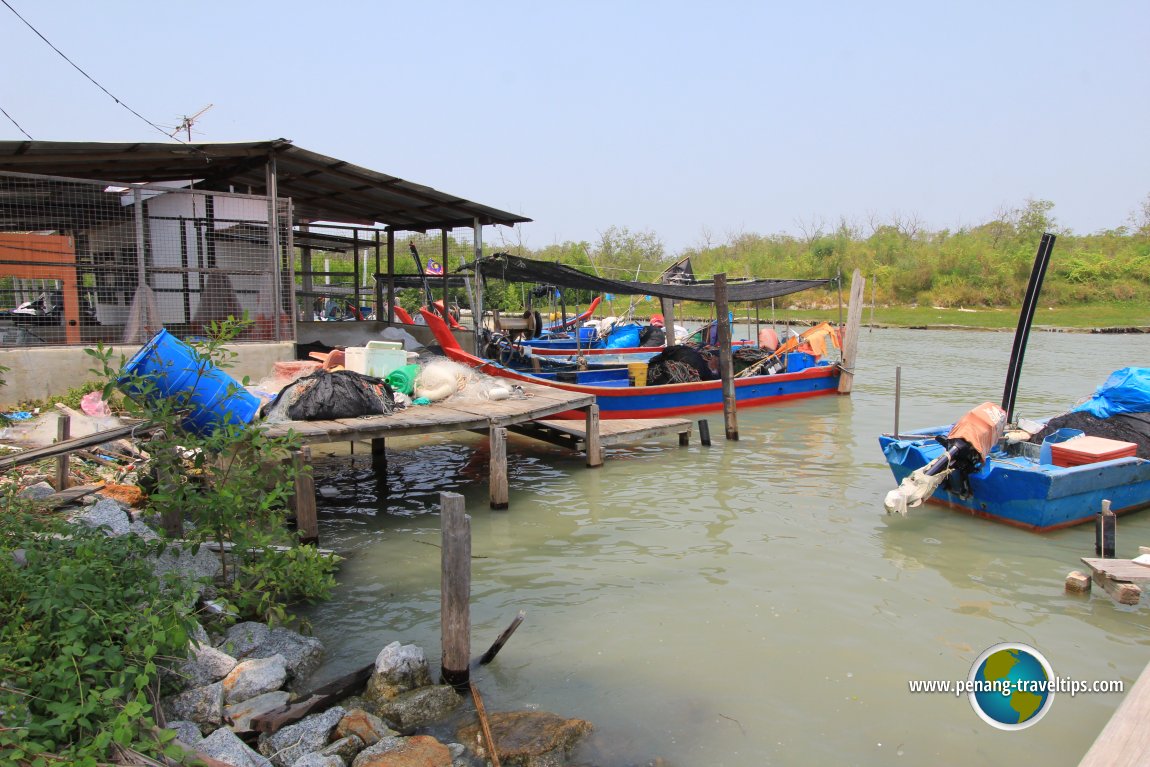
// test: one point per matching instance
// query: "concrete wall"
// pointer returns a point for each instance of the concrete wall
(45, 372)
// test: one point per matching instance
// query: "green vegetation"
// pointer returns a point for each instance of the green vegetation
(88, 626)
(232, 484)
(1099, 279)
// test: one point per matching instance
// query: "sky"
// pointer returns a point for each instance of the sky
(695, 121)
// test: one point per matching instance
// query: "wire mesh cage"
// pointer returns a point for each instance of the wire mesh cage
(86, 261)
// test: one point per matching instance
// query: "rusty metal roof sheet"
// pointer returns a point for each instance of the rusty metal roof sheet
(322, 188)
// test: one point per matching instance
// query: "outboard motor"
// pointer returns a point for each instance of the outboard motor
(967, 444)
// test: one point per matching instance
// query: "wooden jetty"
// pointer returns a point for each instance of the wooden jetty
(490, 416)
(1118, 577)
(573, 434)
(1125, 740)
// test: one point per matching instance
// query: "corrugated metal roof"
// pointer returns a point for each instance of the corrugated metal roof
(322, 188)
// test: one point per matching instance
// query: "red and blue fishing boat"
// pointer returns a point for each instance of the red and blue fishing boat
(618, 398)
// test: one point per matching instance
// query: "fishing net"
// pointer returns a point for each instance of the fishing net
(678, 364)
(326, 395)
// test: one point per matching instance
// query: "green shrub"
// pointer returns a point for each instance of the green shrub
(86, 624)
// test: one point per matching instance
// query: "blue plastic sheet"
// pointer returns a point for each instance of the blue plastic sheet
(1125, 391)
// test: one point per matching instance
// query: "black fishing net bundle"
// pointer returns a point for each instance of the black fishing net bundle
(1127, 427)
(678, 364)
(325, 395)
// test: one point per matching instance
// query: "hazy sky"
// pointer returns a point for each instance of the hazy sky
(693, 120)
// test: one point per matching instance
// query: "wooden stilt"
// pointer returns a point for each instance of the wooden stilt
(500, 495)
(684, 438)
(63, 434)
(726, 364)
(307, 525)
(379, 454)
(455, 589)
(594, 445)
(705, 432)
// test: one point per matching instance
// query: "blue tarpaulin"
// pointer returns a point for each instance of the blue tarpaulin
(1125, 391)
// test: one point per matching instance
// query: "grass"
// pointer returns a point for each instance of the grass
(1077, 316)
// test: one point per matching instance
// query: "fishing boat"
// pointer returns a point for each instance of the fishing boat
(1039, 476)
(1037, 486)
(618, 398)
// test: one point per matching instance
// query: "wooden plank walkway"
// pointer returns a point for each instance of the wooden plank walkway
(492, 417)
(1125, 740)
(573, 434)
(1119, 578)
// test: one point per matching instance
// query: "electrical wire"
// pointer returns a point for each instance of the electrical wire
(13, 120)
(85, 74)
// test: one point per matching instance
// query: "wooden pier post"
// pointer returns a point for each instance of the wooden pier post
(307, 525)
(63, 434)
(379, 453)
(851, 333)
(594, 446)
(726, 367)
(500, 495)
(1105, 531)
(455, 589)
(705, 432)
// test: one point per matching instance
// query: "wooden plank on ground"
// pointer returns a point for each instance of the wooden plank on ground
(1125, 740)
(70, 495)
(79, 443)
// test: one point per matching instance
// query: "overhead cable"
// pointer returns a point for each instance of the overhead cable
(81, 71)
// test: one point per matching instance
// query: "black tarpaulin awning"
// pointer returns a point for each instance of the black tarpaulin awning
(504, 266)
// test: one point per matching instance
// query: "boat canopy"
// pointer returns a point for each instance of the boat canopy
(504, 266)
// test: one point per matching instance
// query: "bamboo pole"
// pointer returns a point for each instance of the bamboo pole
(851, 333)
(455, 589)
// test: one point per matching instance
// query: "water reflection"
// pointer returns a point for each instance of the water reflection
(750, 603)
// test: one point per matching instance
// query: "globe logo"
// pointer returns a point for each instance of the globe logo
(1011, 686)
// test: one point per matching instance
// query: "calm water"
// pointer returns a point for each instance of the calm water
(750, 603)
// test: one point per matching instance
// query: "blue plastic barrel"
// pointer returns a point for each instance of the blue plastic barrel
(215, 398)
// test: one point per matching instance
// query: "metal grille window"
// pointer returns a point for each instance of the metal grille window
(85, 261)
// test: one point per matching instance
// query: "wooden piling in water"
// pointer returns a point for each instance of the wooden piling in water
(726, 364)
(307, 523)
(500, 494)
(594, 445)
(705, 432)
(455, 589)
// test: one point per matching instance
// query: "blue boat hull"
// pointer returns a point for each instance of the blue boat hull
(1022, 492)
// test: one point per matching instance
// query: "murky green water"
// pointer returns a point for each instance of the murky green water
(750, 603)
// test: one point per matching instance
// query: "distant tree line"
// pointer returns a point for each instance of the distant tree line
(981, 266)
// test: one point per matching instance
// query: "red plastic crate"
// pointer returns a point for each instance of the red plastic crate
(1083, 450)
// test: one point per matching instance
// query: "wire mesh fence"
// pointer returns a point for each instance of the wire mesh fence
(85, 261)
(342, 273)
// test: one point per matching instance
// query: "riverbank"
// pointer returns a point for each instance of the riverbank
(1120, 317)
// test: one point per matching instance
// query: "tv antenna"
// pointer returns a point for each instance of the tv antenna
(187, 123)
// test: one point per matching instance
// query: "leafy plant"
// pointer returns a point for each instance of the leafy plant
(86, 626)
(230, 481)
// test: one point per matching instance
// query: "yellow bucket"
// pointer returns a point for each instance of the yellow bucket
(637, 372)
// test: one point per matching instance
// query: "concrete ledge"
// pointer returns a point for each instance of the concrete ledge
(50, 371)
